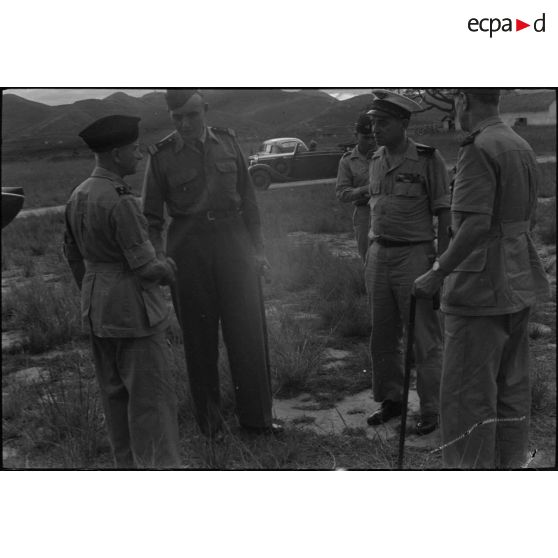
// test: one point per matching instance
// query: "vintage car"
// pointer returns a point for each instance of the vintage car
(12, 202)
(289, 159)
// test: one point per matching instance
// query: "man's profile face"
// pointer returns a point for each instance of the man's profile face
(366, 142)
(127, 157)
(388, 130)
(189, 119)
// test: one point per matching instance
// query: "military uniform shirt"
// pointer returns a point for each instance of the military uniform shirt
(496, 175)
(407, 193)
(107, 231)
(352, 174)
(193, 178)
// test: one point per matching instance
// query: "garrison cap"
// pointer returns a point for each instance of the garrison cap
(392, 104)
(111, 131)
(178, 97)
(364, 125)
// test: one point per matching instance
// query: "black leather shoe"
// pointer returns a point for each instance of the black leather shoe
(426, 426)
(274, 429)
(389, 410)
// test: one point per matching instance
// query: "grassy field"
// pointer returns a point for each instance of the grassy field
(58, 422)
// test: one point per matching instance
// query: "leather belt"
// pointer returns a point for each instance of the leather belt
(396, 243)
(105, 266)
(213, 215)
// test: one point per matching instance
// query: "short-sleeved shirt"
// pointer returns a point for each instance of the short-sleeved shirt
(496, 175)
(192, 178)
(406, 194)
(352, 174)
(107, 231)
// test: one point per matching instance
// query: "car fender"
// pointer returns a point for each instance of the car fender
(275, 176)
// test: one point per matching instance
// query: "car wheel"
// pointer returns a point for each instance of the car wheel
(261, 179)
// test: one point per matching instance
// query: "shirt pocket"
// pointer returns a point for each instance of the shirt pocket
(475, 261)
(184, 187)
(227, 175)
(409, 185)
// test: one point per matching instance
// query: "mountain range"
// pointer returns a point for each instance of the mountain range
(255, 114)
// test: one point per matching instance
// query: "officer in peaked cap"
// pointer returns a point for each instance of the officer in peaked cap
(352, 181)
(393, 104)
(492, 277)
(199, 173)
(107, 246)
(409, 186)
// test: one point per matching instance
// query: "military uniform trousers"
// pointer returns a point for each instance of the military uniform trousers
(361, 225)
(485, 379)
(390, 273)
(138, 396)
(217, 283)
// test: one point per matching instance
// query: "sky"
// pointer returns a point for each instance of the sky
(65, 96)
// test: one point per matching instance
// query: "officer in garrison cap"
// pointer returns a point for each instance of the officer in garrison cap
(493, 276)
(115, 266)
(199, 173)
(352, 181)
(409, 186)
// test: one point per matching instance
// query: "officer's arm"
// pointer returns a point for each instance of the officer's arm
(444, 222)
(472, 233)
(250, 211)
(73, 255)
(153, 204)
(130, 232)
(344, 190)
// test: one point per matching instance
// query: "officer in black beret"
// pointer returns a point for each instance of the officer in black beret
(353, 180)
(116, 268)
(199, 173)
(409, 186)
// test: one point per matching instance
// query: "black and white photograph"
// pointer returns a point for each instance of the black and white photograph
(275, 278)
(278, 279)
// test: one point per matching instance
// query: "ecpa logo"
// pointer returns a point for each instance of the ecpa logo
(492, 25)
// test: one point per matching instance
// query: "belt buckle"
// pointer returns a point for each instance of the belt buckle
(210, 215)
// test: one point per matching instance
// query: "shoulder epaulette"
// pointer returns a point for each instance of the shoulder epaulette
(469, 139)
(228, 131)
(425, 149)
(154, 148)
(122, 190)
(346, 154)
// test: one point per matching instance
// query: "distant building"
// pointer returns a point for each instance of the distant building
(529, 109)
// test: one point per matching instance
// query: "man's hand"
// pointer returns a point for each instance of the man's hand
(170, 271)
(263, 266)
(428, 284)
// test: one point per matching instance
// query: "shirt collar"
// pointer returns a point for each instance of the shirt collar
(207, 132)
(101, 172)
(410, 152)
(485, 123)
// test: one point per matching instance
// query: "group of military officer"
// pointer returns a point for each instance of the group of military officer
(214, 255)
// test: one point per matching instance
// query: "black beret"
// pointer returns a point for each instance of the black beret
(178, 97)
(111, 131)
(364, 125)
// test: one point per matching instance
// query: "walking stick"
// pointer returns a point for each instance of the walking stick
(264, 329)
(408, 363)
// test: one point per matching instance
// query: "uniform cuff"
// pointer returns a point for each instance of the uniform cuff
(139, 255)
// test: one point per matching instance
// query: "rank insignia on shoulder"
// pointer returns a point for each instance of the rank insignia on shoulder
(228, 131)
(156, 147)
(425, 149)
(469, 139)
(122, 190)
